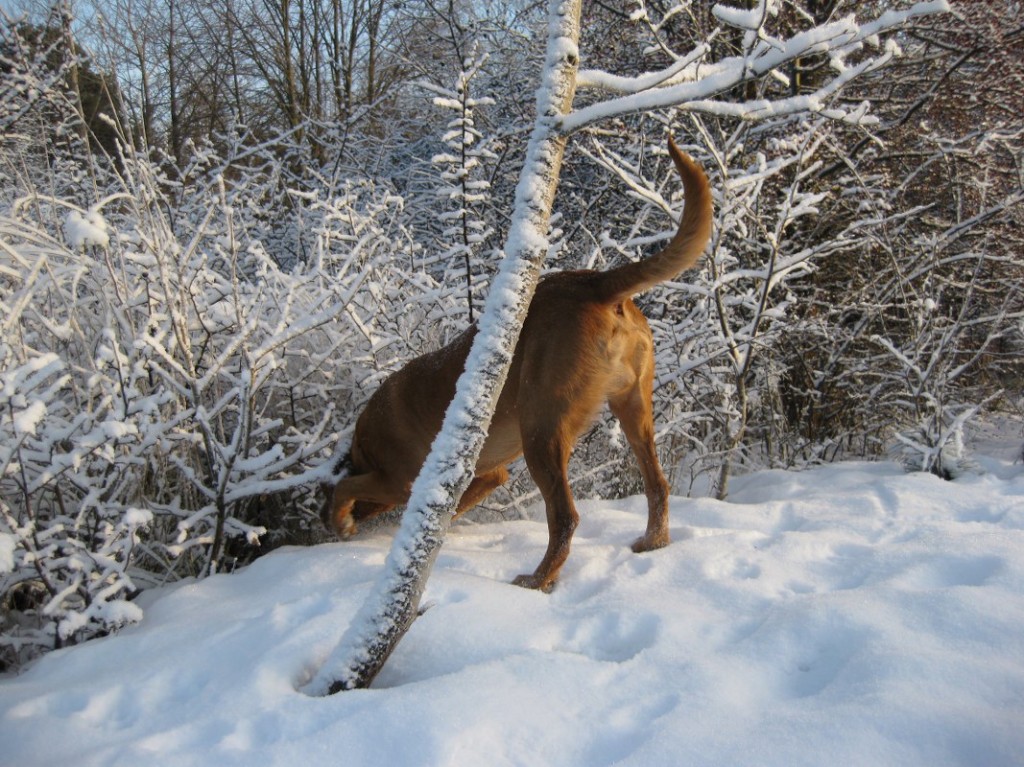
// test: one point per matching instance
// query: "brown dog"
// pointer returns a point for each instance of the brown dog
(583, 343)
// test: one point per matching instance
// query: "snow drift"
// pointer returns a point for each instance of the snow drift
(851, 614)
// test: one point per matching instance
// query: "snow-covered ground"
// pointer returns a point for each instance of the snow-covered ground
(849, 615)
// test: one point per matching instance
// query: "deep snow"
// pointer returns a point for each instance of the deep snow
(848, 615)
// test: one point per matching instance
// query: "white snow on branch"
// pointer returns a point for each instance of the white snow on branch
(85, 228)
(684, 68)
(744, 18)
(7, 545)
(698, 94)
(27, 419)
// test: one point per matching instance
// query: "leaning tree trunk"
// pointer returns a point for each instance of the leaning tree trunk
(448, 470)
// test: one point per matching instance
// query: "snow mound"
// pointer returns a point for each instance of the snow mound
(852, 614)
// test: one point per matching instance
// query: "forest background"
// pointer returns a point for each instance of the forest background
(222, 227)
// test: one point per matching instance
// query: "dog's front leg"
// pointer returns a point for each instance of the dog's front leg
(360, 496)
(336, 515)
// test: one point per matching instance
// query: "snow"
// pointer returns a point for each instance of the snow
(86, 228)
(743, 18)
(25, 421)
(7, 545)
(851, 614)
(134, 518)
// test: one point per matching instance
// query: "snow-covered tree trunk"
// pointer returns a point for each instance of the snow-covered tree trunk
(450, 467)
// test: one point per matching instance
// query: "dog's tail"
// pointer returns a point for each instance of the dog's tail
(681, 253)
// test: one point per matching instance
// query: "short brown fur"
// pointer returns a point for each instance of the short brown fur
(583, 343)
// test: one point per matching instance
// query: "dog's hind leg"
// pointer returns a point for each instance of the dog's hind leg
(634, 411)
(547, 454)
(481, 487)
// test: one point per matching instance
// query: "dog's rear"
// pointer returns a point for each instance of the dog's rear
(583, 343)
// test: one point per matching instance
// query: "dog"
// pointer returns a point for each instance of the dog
(583, 343)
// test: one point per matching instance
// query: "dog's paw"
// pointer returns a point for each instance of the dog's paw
(650, 542)
(533, 582)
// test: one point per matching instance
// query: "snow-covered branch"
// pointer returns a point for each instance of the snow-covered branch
(694, 86)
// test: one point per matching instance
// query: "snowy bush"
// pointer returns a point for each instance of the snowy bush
(170, 391)
(937, 444)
